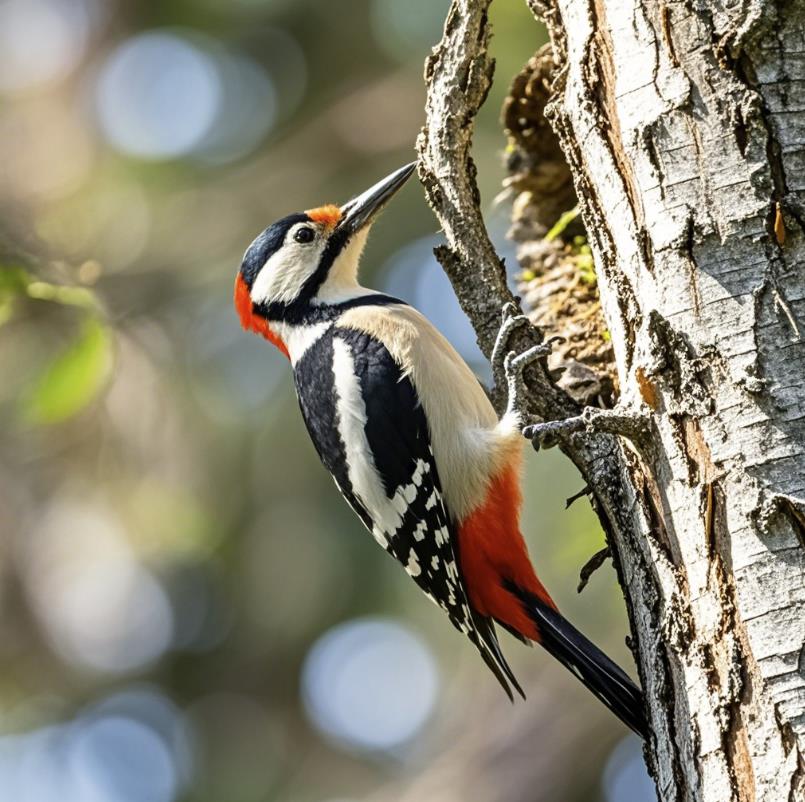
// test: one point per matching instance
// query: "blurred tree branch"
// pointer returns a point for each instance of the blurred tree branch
(674, 260)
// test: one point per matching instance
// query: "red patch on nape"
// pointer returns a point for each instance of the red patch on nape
(326, 215)
(252, 321)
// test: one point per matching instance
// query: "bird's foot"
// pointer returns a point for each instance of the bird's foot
(508, 366)
(514, 365)
(632, 424)
(512, 321)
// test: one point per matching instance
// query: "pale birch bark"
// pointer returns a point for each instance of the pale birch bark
(684, 128)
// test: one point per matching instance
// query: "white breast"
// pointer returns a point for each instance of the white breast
(298, 339)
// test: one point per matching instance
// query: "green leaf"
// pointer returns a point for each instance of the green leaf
(16, 281)
(74, 377)
(69, 296)
(562, 223)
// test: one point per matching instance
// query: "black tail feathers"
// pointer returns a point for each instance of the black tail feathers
(605, 679)
(488, 646)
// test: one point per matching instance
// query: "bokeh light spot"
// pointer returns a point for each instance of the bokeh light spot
(158, 95)
(41, 41)
(168, 94)
(117, 759)
(131, 747)
(149, 707)
(99, 606)
(369, 685)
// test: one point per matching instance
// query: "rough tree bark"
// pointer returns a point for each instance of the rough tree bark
(683, 125)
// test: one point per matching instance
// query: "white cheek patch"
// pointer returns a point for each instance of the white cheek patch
(282, 277)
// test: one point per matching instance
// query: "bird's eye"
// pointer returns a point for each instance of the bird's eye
(304, 235)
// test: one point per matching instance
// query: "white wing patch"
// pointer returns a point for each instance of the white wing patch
(391, 516)
(367, 484)
(363, 475)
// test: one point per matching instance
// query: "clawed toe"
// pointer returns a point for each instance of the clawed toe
(531, 355)
(511, 312)
(551, 433)
(629, 423)
(512, 319)
(508, 366)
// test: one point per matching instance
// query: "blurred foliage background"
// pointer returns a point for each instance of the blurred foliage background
(189, 610)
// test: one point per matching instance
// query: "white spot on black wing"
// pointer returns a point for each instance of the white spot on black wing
(408, 516)
(397, 434)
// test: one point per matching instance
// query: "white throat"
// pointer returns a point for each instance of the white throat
(299, 338)
(341, 283)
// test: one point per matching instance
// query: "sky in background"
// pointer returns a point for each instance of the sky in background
(189, 611)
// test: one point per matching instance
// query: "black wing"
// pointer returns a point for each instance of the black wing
(365, 421)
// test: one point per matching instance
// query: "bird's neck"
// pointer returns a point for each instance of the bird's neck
(334, 292)
(294, 328)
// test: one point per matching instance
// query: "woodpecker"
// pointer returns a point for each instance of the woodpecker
(410, 436)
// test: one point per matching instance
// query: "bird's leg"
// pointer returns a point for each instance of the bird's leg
(628, 423)
(508, 366)
(511, 322)
(514, 366)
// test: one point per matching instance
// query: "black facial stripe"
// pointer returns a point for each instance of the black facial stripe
(302, 312)
(266, 244)
(338, 239)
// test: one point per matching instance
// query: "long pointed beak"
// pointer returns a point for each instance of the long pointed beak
(360, 211)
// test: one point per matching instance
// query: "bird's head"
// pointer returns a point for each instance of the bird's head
(308, 259)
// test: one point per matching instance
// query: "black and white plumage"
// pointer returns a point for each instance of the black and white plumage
(370, 431)
(373, 440)
(411, 438)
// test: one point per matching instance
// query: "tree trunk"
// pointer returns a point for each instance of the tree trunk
(684, 130)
